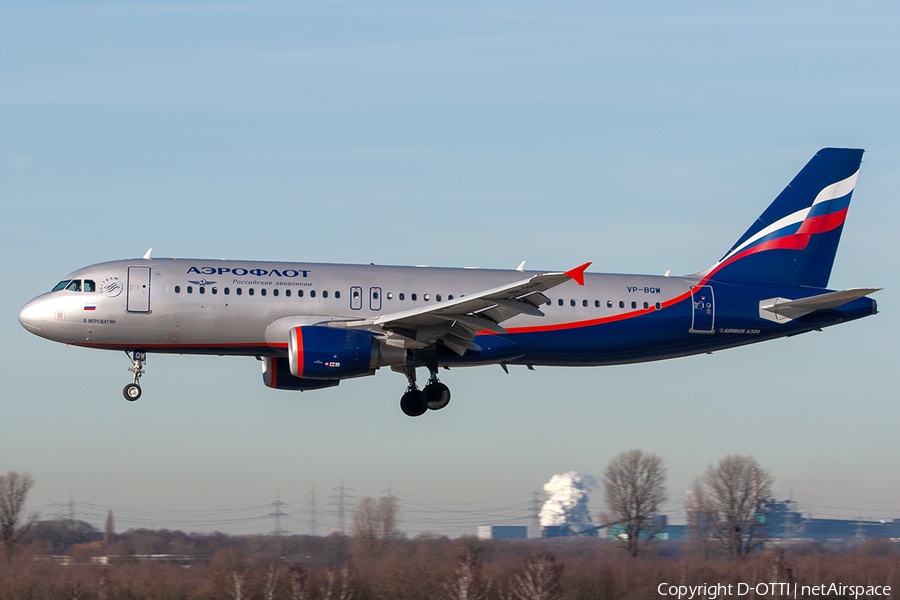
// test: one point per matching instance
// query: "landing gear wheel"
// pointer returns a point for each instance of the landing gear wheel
(411, 403)
(132, 392)
(436, 395)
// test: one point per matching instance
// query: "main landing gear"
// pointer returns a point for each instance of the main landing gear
(132, 391)
(434, 396)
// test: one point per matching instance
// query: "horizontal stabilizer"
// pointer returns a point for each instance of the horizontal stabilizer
(785, 309)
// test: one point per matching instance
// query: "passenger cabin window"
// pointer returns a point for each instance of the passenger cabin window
(227, 291)
(299, 293)
(238, 291)
(215, 291)
(402, 296)
(337, 295)
(572, 302)
(249, 291)
(89, 285)
(262, 292)
(561, 302)
(634, 305)
(61, 285)
(287, 293)
(312, 293)
(177, 289)
(412, 297)
(74, 285)
(584, 302)
(324, 293)
(596, 304)
(202, 289)
(609, 304)
(658, 306)
(190, 290)
(621, 304)
(274, 292)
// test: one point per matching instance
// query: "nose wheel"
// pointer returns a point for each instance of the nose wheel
(132, 391)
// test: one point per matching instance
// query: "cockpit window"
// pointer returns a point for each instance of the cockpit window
(61, 285)
(74, 285)
(89, 285)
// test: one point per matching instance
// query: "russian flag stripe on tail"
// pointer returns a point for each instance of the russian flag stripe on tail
(795, 240)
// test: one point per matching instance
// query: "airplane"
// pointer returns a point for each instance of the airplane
(313, 325)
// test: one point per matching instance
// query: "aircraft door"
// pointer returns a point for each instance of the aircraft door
(356, 297)
(375, 298)
(704, 312)
(138, 294)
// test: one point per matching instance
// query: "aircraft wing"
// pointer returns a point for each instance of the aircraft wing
(456, 322)
(784, 309)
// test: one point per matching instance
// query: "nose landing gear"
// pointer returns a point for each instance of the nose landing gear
(132, 391)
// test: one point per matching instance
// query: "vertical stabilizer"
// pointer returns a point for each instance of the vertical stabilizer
(795, 240)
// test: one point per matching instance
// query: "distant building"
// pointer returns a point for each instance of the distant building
(553, 531)
(502, 532)
(784, 522)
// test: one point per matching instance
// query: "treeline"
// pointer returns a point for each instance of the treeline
(219, 566)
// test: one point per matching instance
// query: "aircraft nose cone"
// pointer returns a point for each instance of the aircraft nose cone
(30, 317)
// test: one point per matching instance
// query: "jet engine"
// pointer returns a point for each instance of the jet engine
(316, 352)
(277, 374)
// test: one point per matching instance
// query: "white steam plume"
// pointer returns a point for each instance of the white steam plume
(568, 502)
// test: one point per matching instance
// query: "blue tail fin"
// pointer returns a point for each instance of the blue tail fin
(795, 240)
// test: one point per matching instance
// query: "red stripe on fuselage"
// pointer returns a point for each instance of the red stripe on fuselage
(590, 322)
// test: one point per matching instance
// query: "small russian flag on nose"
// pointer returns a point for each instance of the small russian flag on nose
(90, 307)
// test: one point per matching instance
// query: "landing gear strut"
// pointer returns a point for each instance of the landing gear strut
(132, 391)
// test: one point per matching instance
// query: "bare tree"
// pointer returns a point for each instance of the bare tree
(728, 499)
(109, 529)
(375, 525)
(635, 487)
(699, 528)
(271, 580)
(328, 591)
(466, 583)
(299, 581)
(14, 489)
(540, 579)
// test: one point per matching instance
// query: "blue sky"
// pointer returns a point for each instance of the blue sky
(641, 136)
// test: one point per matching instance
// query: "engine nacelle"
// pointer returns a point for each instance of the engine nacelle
(316, 352)
(277, 374)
